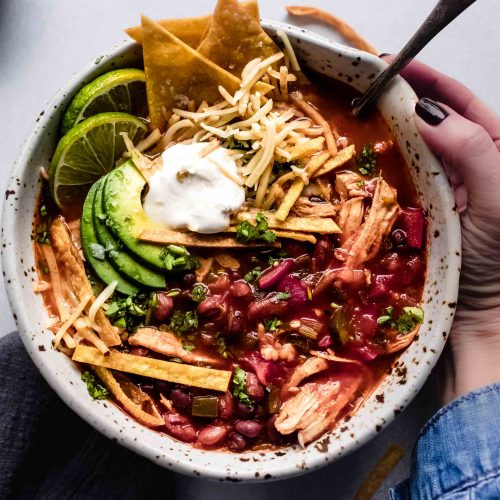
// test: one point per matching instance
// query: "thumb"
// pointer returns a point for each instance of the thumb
(467, 150)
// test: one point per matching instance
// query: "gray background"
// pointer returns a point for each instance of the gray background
(45, 42)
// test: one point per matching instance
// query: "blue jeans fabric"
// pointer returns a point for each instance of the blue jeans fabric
(457, 455)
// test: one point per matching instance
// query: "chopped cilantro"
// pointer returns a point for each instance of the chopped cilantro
(246, 231)
(253, 274)
(367, 160)
(199, 292)
(276, 256)
(43, 210)
(96, 390)
(130, 311)
(222, 346)
(283, 295)
(187, 346)
(240, 387)
(272, 324)
(183, 322)
(177, 258)
(360, 183)
(41, 234)
(234, 143)
(406, 322)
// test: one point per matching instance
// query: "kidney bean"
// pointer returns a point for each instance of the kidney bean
(188, 279)
(240, 288)
(272, 432)
(266, 308)
(249, 428)
(162, 386)
(273, 275)
(226, 406)
(221, 285)
(179, 426)
(398, 237)
(214, 307)
(164, 308)
(212, 435)
(180, 399)
(254, 389)
(244, 410)
(250, 340)
(139, 351)
(236, 442)
(235, 321)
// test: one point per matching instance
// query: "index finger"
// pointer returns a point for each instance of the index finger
(428, 82)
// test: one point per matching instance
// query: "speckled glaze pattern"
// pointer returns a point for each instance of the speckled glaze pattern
(408, 373)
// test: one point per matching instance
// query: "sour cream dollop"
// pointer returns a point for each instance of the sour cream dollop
(195, 191)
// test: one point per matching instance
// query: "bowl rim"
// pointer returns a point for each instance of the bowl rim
(91, 414)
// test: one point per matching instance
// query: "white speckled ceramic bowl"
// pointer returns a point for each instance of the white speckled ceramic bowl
(409, 372)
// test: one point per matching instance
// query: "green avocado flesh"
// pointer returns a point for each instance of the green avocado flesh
(94, 252)
(126, 217)
(125, 263)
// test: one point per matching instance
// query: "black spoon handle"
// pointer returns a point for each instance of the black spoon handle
(443, 13)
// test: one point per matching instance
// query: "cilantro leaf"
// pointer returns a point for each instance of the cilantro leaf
(177, 258)
(222, 346)
(411, 317)
(240, 387)
(283, 295)
(187, 346)
(199, 292)
(246, 231)
(96, 390)
(253, 274)
(272, 324)
(183, 322)
(367, 160)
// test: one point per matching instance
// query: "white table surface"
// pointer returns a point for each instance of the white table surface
(44, 43)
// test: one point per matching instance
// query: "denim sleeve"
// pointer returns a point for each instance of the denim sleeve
(457, 455)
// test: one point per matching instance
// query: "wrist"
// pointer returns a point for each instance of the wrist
(473, 357)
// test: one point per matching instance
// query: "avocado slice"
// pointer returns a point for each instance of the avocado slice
(127, 219)
(119, 257)
(94, 252)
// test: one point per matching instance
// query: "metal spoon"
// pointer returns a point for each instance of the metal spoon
(443, 13)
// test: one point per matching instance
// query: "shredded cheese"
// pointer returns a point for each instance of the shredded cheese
(71, 319)
(101, 299)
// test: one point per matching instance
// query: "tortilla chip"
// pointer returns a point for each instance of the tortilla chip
(178, 373)
(190, 30)
(174, 70)
(190, 239)
(321, 225)
(290, 198)
(235, 37)
(292, 235)
(131, 397)
(343, 156)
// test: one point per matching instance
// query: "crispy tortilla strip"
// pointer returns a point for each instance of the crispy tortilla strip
(190, 239)
(69, 261)
(338, 24)
(193, 29)
(175, 69)
(343, 156)
(132, 398)
(291, 235)
(321, 225)
(298, 184)
(206, 378)
(306, 149)
(235, 37)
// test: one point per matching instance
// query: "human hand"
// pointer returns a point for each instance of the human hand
(465, 134)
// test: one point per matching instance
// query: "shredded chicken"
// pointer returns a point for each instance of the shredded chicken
(160, 341)
(366, 243)
(304, 207)
(272, 350)
(70, 263)
(350, 217)
(349, 185)
(399, 341)
(382, 147)
(310, 367)
(340, 277)
(331, 356)
(316, 407)
(325, 188)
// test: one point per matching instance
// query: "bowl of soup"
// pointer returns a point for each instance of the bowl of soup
(253, 282)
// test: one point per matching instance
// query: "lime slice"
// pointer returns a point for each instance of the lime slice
(89, 151)
(122, 90)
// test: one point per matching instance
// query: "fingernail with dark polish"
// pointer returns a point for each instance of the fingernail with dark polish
(384, 54)
(430, 111)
